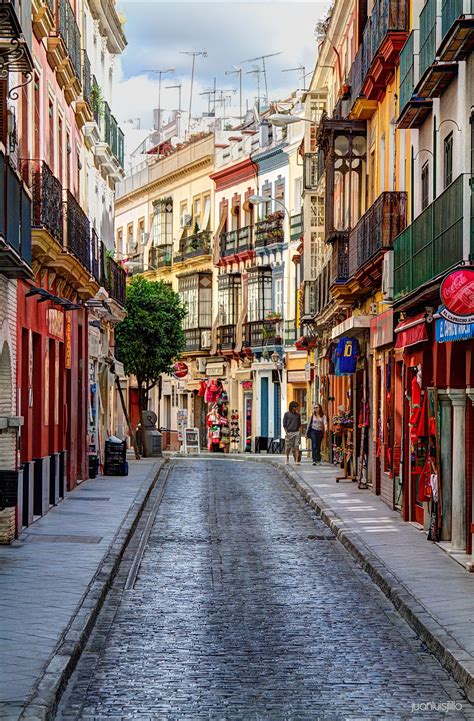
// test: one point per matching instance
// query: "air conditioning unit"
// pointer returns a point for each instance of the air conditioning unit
(201, 362)
(387, 275)
(133, 246)
(144, 238)
(186, 220)
(206, 339)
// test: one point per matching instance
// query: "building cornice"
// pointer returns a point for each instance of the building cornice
(234, 174)
(166, 180)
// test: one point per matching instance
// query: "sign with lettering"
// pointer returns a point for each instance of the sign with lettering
(180, 370)
(447, 331)
(68, 342)
(192, 438)
(457, 296)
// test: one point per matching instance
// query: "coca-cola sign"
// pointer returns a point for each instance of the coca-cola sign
(457, 296)
(180, 370)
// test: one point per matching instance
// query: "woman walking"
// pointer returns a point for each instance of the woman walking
(317, 428)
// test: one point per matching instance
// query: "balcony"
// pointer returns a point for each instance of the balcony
(109, 151)
(83, 107)
(339, 268)
(236, 241)
(313, 169)
(43, 18)
(270, 230)
(160, 256)
(64, 51)
(194, 246)
(117, 281)
(296, 226)
(434, 77)
(77, 231)
(437, 240)
(384, 35)
(413, 109)
(226, 335)
(95, 255)
(317, 295)
(47, 195)
(15, 224)
(263, 333)
(197, 339)
(457, 30)
(372, 236)
(15, 36)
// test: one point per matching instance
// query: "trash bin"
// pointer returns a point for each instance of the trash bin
(93, 465)
(115, 461)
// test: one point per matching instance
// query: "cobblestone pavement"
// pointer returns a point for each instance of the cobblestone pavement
(246, 607)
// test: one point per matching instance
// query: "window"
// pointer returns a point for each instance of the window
(317, 211)
(197, 213)
(196, 294)
(228, 298)
(259, 294)
(51, 134)
(60, 148)
(37, 117)
(130, 246)
(119, 245)
(448, 160)
(163, 222)
(280, 191)
(278, 299)
(141, 232)
(267, 205)
(78, 176)
(425, 185)
(68, 160)
(206, 219)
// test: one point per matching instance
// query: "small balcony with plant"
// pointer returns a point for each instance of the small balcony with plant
(197, 245)
(15, 223)
(270, 230)
(109, 146)
(64, 52)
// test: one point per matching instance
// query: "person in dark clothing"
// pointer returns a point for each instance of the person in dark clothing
(292, 426)
(317, 429)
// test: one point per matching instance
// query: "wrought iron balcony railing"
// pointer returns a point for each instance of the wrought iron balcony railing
(117, 281)
(237, 241)
(226, 337)
(16, 36)
(15, 223)
(439, 238)
(427, 35)
(95, 255)
(112, 134)
(77, 231)
(161, 256)
(86, 79)
(195, 245)
(377, 229)
(270, 230)
(70, 33)
(263, 333)
(47, 194)
(340, 259)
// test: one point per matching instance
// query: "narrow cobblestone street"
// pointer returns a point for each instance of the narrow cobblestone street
(246, 607)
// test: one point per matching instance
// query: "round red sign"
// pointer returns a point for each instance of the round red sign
(180, 370)
(457, 292)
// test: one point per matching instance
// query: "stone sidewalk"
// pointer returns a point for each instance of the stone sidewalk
(55, 577)
(432, 591)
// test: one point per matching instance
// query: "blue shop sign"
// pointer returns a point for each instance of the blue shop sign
(447, 331)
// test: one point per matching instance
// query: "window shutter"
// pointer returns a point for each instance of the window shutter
(3, 111)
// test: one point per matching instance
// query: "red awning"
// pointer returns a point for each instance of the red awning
(411, 330)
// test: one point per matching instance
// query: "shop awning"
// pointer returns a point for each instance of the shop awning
(354, 323)
(411, 331)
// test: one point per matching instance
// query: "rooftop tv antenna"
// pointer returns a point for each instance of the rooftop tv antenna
(256, 71)
(179, 87)
(194, 54)
(301, 69)
(264, 69)
(160, 73)
(238, 71)
(211, 92)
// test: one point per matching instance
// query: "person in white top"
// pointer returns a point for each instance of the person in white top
(317, 429)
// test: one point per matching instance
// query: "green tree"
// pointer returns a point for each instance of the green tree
(150, 338)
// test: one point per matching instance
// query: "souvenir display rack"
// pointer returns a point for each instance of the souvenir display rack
(343, 426)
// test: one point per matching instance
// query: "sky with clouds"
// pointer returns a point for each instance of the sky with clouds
(231, 32)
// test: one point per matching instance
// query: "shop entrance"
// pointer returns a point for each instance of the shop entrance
(248, 422)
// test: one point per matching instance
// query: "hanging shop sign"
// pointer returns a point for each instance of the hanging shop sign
(215, 370)
(56, 322)
(180, 370)
(247, 385)
(296, 376)
(447, 331)
(68, 342)
(457, 296)
(381, 329)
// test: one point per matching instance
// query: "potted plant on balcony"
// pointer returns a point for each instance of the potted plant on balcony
(273, 316)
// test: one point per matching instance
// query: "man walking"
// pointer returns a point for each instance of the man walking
(292, 426)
